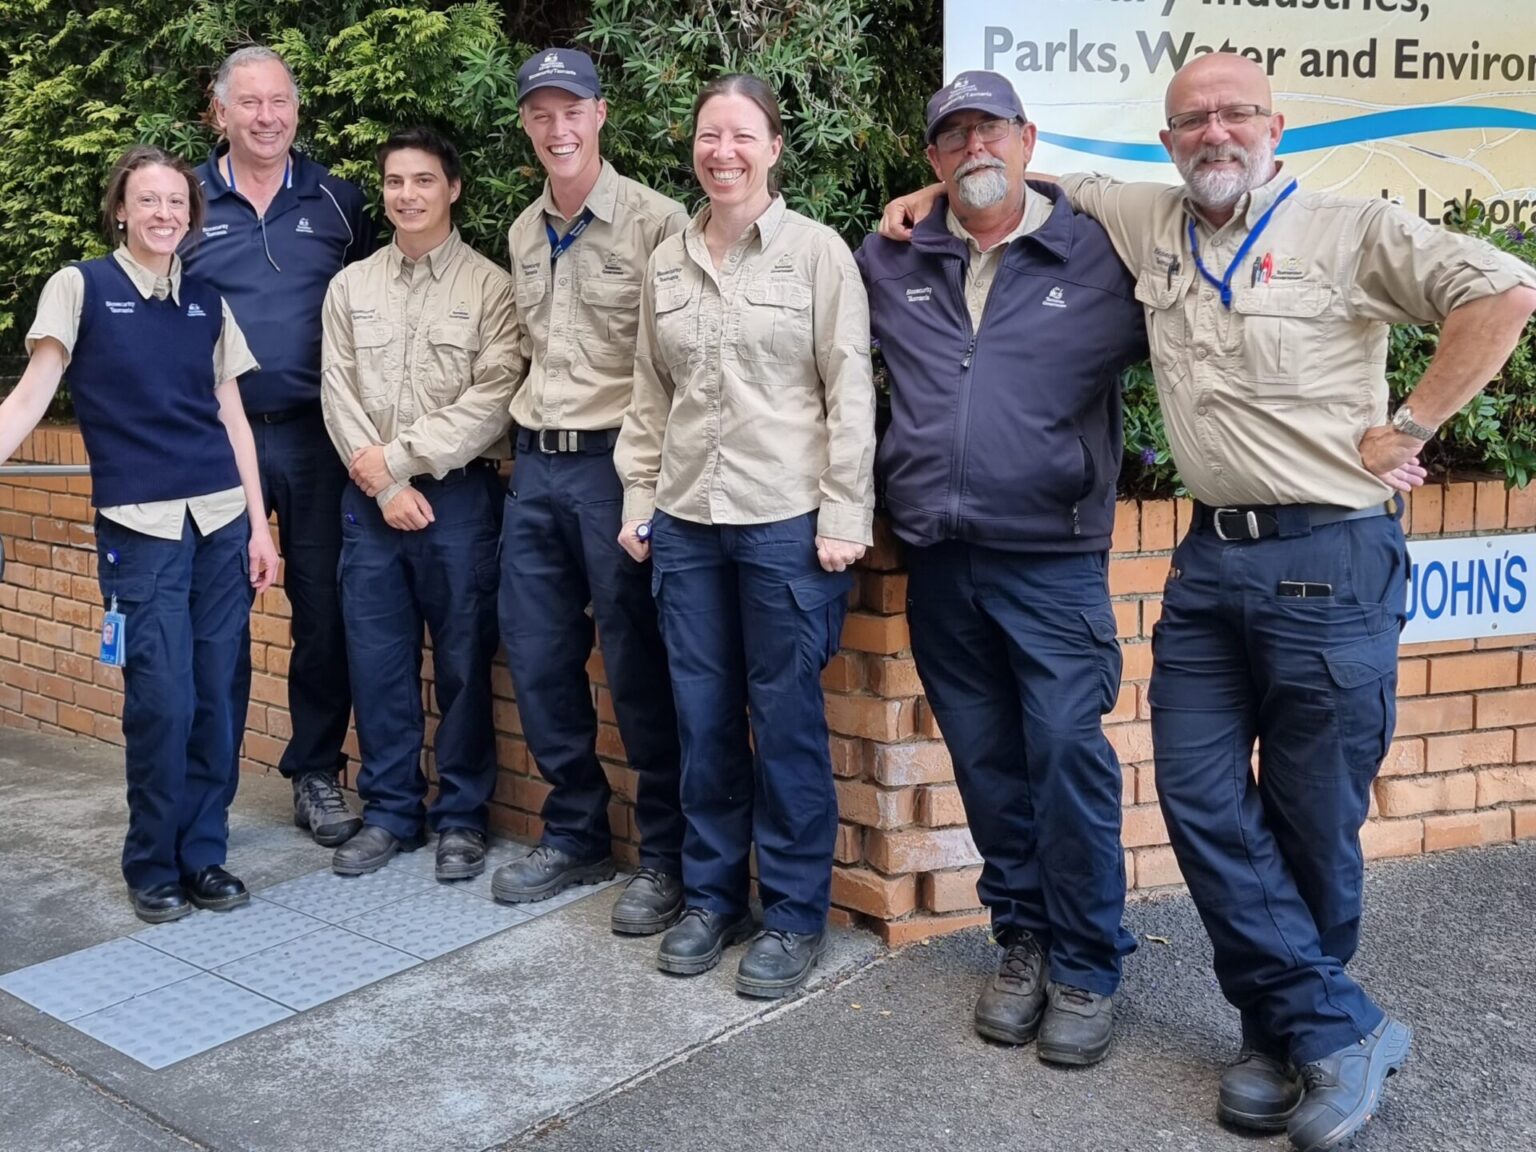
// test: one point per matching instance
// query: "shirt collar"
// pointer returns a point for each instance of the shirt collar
(1037, 210)
(216, 182)
(602, 200)
(144, 280)
(767, 225)
(439, 260)
(1047, 221)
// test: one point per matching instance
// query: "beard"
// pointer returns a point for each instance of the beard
(982, 182)
(1219, 190)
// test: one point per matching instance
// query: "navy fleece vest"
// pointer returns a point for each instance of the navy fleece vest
(141, 378)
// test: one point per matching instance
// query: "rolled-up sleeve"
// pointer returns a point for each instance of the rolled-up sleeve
(841, 320)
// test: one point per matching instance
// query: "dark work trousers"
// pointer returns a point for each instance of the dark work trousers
(1018, 656)
(560, 553)
(302, 480)
(391, 583)
(187, 608)
(1274, 863)
(750, 620)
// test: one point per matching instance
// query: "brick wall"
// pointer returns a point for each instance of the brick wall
(1462, 769)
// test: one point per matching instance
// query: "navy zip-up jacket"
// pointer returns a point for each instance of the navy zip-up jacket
(273, 270)
(1009, 437)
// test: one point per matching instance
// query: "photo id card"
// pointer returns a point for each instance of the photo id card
(113, 636)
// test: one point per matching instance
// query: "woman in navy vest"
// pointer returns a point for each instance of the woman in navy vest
(182, 538)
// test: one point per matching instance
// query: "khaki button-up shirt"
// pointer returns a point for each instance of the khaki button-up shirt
(420, 356)
(580, 315)
(754, 400)
(981, 269)
(58, 315)
(1265, 402)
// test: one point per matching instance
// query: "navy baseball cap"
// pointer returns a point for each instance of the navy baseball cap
(982, 91)
(564, 68)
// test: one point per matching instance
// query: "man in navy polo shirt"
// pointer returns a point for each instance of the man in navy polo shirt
(279, 227)
(1005, 325)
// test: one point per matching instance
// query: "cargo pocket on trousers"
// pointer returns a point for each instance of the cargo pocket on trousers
(1364, 682)
(1106, 643)
(822, 600)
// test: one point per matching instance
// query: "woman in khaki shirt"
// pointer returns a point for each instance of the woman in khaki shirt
(746, 459)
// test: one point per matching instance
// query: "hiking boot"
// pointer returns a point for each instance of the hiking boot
(1009, 1007)
(546, 872)
(320, 808)
(777, 963)
(460, 853)
(371, 849)
(1258, 1092)
(694, 943)
(1077, 1027)
(1342, 1088)
(650, 903)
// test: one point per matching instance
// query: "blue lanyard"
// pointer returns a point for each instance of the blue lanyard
(557, 243)
(229, 171)
(1224, 285)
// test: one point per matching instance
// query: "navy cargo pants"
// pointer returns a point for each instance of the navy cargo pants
(1018, 656)
(750, 620)
(560, 552)
(1273, 863)
(391, 583)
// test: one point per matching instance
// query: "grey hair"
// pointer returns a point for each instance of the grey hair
(250, 54)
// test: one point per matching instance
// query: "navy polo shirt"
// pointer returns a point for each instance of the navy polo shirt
(273, 270)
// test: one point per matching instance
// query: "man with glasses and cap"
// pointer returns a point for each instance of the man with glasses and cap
(578, 258)
(1005, 325)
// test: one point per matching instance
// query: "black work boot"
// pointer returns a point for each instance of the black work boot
(1258, 1092)
(650, 903)
(216, 890)
(1342, 1088)
(371, 849)
(460, 853)
(546, 872)
(776, 963)
(320, 809)
(161, 903)
(1009, 1007)
(1078, 1026)
(694, 943)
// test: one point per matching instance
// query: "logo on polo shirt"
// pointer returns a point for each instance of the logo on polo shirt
(919, 295)
(1055, 298)
(304, 228)
(212, 230)
(194, 309)
(119, 307)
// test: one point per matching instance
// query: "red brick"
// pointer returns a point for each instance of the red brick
(1506, 785)
(1126, 536)
(1525, 821)
(36, 656)
(1466, 830)
(1125, 706)
(71, 612)
(885, 554)
(34, 603)
(31, 552)
(17, 624)
(883, 592)
(1525, 745)
(1460, 503)
(1127, 618)
(849, 847)
(1528, 667)
(1501, 709)
(40, 708)
(1434, 714)
(1522, 507)
(1469, 750)
(893, 677)
(913, 929)
(262, 748)
(847, 756)
(56, 687)
(269, 689)
(1146, 784)
(861, 802)
(865, 632)
(1131, 742)
(1436, 647)
(953, 891)
(69, 507)
(1381, 838)
(1489, 643)
(1412, 678)
(1415, 795)
(873, 894)
(1151, 613)
(18, 677)
(1157, 525)
(270, 630)
(870, 717)
(918, 762)
(1137, 575)
(1404, 758)
(1469, 673)
(96, 699)
(1491, 502)
(1136, 661)
(1156, 867)
(77, 720)
(939, 806)
(843, 673)
(925, 850)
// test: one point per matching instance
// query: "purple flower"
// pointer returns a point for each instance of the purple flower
(1149, 456)
(1516, 234)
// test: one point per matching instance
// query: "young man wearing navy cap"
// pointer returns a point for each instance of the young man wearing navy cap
(578, 258)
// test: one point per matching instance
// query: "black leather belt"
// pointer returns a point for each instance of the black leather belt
(479, 464)
(1260, 521)
(553, 441)
(283, 415)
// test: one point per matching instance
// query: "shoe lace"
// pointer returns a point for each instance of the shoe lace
(653, 875)
(1079, 996)
(1315, 1076)
(323, 794)
(1019, 963)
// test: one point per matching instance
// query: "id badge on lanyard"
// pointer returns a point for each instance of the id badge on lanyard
(114, 625)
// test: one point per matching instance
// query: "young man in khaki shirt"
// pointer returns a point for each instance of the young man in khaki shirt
(578, 257)
(419, 361)
(1267, 311)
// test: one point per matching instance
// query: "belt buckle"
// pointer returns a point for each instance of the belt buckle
(1250, 520)
(543, 445)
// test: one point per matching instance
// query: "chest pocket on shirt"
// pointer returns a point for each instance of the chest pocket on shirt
(614, 306)
(453, 352)
(775, 322)
(378, 364)
(530, 299)
(677, 325)
(1167, 329)
(1283, 326)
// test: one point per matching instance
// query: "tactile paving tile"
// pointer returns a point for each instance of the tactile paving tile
(209, 939)
(170, 1024)
(436, 922)
(332, 898)
(94, 978)
(318, 967)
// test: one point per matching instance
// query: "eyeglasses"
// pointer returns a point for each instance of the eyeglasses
(1232, 116)
(954, 139)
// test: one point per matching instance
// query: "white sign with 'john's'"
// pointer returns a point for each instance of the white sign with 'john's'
(1475, 586)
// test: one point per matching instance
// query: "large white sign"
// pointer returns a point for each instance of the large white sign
(1424, 101)
(1476, 586)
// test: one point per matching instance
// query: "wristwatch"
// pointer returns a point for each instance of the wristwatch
(1403, 421)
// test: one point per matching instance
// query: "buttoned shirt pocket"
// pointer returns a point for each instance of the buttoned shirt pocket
(453, 347)
(677, 324)
(530, 299)
(378, 363)
(614, 309)
(1283, 326)
(775, 325)
(1167, 329)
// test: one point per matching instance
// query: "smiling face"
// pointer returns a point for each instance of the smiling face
(154, 214)
(418, 197)
(259, 114)
(1220, 163)
(734, 150)
(564, 130)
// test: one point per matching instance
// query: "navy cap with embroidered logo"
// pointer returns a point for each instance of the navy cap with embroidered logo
(564, 68)
(978, 91)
